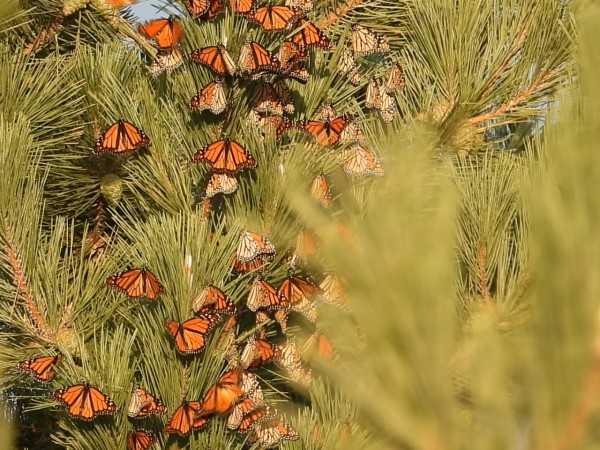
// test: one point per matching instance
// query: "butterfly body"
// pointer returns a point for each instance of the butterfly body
(225, 155)
(190, 336)
(136, 283)
(42, 368)
(120, 138)
(85, 402)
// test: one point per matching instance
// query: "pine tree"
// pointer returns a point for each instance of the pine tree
(435, 258)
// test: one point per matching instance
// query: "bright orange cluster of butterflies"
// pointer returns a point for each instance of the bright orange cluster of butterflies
(237, 393)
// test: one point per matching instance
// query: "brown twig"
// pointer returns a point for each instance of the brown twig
(340, 11)
(482, 280)
(523, 95)
(23, 290)
(44, 36)
(587, 401)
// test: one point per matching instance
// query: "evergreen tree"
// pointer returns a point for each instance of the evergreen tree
(438, 338)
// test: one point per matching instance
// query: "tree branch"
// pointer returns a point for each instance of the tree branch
(482, 280)
(23, 290)
(340, 11)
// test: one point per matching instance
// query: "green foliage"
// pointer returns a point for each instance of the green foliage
(471, 312)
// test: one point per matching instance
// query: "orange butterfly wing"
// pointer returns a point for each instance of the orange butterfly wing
(222, 395)
(295, 289)
(264, 295)
(121, 137)
(254, 60)
(215, 7)
(140, 439)
(85, 402)
(225, 156)
(320, 190)
(215, 57)
(136, 283)
(271, 433)
(309, 35)
(190, 336)
(211, 97)
(264, 351)
(166, 32)
(184, 419)
(143, 403)
(275, 18)
(197, 7)
(42, 368)
(241, 6)
(213, 300)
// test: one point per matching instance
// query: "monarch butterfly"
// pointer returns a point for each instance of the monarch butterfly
(251, 387)
(241, 409)
(257, 415)
(197, 7)
(166, 60)
(211, 97)
(296, 289)
(225, 155)
(136, 283)
(121, 137)
(190, 336)
(285, 96)
(266, 100)
(241, 266)
(309, 35)
(261, 317)
(120, 3)
(84, 402)
(264, 295)
(352, 133)
(385, 105)
(241, 6)
(366, 42)
(347, 66)
(327, 132)
(275, 18)
(362, 162)
(221, 183)
(184, 419)
(254, 60)
(215, 57)
(222, 395)
(143, 403)
(306, 246)
(140, 439)
(252, 245)
(333, 290)
(271, 433)
(213, 300)
(166, 32)
(257, 352)
(42, 368)
(293, 61)
(396, 79)
(320, 190)
(304, 5)
(323, 346)
(289, 52)
(378, 97)
(274, 124)
(289, 360)
(206, 207)
(214, 8)
(327, 112)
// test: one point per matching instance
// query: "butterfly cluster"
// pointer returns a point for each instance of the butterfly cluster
(236, 395)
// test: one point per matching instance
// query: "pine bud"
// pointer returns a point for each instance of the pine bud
(72, 6)
(107, 11)
(111, 188)
(67, 340)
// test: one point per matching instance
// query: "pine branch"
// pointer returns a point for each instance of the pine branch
(44, 36)
(481, 276)
(515, 101)
(24, 291)
(586, 403)
(340, 11)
